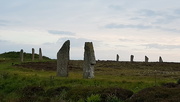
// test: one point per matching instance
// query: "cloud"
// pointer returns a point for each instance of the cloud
(161, 46)
(77, 42)
(116, 7)
(147, 12)
(177, 11)
(166, 19)
(12, 46)
(171, 30)
(166, 16)
(139, 26)
(121, 46)
(136, 18)
(3, 22)
(124, 40)
(3, 41)
(57, 32)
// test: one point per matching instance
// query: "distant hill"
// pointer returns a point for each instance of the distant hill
(16, 55)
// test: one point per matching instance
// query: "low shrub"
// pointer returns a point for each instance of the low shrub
(2, 98)
(178, 82)
(115, 92)
(83, 93)
(157, 94)
(52, 92)
(94, 98)
(170, 85)
(77, 93)
(33, 91)
(33, 94)
(113, 99)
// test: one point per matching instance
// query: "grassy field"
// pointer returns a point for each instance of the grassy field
(113, 82)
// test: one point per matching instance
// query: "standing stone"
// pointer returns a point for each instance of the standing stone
(63, 60)
(32, 54)
(40, 54)
(89, 60)
(132, 58)
(160, 59)
(21, 55)
(117, 57)
(146, 59)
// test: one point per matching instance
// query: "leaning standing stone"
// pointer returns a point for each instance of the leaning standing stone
(32, 54)
(63, 60)
(117, 58)
(146, 59)
(40, 54)
(89, 60)
(21, 55)
(132, 58)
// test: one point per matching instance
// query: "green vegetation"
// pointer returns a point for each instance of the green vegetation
(114, 81)
(16, 55)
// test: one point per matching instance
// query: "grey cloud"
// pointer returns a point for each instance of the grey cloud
(165, 19)
(77, 42)
(160, 17)
(139, 26)
(147, 12)
(2, 41)
(177, 11)
(171, 30)
(161, 46)
(10, 22)
(3, 22)
(157, 17)
(135, 18)
(57, 32)
(116, 7)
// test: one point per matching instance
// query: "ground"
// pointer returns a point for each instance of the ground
(113, 82)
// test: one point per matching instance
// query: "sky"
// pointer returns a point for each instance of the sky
(125, 27)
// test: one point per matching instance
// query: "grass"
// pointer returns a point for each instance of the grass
(126, 75)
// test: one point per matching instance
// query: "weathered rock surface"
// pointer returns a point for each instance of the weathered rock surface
(160, 59)
(40, 54)
(117, 57)
(21, 55)
(132, 58)
(33, 54)
(146, 59)
(89, 60)
(63, 60)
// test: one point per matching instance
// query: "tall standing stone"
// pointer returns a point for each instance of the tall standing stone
(117, 57)
(146, 59)
(132, 58)
(160, 59)
(21, 55)
(33, 54)
(40, 54)
(63, 60)
(89, 60)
